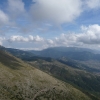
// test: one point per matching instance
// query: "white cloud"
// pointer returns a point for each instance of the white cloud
(69, 39)
(36, 38)
(30, 38)
(43, 12)
(48, 12)
(90, 35)
(1, 40)
(18, 39)
(49, 41)
(3, 18)
(61, 11)
(93, 3)
(16, 7)
(8, 15)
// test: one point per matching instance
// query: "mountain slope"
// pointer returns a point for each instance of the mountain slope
(20, 81)
(18, 53)
(82, 79)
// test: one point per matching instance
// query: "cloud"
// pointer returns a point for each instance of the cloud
(10, 14)
(30, 38)
(4, 19)
(62, 11)
(47, 15)
(90, 35)
(50, 41)
(36, 39)
(69, 39)
(93, 4)
(1, 40)
(18, 38)
(59, 12)
(15, 7)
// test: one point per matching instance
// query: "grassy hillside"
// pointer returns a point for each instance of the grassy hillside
(20, 81)
(86, 81)
(92, 66)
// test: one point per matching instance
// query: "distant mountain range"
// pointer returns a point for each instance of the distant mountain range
(68, 52)
(81, 54)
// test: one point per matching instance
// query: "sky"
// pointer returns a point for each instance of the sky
(40, 24)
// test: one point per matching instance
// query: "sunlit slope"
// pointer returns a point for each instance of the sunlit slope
(20, 81)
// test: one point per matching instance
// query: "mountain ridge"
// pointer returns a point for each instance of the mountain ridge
(81, 54)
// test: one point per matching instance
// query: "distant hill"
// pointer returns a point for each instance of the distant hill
(66, 49)
(18, 53)
(81, 54)
(20, 81)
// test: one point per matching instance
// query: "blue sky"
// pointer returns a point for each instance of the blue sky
(39, 24)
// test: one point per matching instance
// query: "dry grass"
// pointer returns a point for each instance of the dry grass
(28, 83)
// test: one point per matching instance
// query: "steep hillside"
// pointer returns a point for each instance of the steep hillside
(92, 66)
(75, 74)
(20, 81)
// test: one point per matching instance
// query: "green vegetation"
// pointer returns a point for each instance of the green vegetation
(20, 81)
(87, 82)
